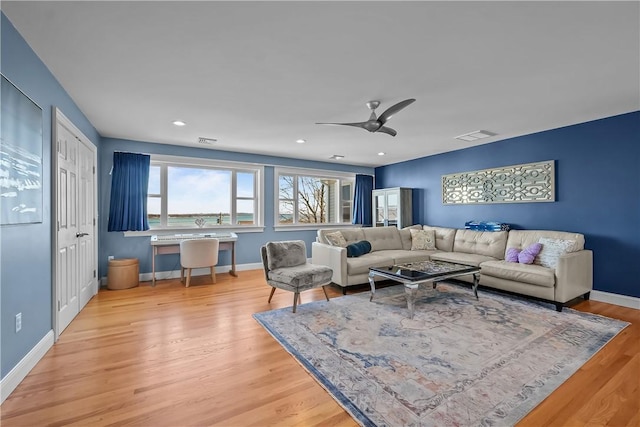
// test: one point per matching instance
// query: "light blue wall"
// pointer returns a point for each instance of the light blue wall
(25, 250)
(247, 247)
(597, 191)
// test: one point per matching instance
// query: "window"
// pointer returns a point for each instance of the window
(313, 198)
(199, 193)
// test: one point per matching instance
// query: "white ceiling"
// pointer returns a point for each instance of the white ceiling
(256, 76)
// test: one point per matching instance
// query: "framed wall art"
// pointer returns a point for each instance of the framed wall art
(530, 182)
(20, 157)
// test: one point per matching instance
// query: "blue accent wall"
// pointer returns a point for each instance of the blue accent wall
(597, 191)
(248, 244)
(25, 250)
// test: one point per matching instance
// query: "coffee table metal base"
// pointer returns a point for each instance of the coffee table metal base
(411, 287)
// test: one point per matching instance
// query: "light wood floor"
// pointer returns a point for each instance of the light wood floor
(171, 356)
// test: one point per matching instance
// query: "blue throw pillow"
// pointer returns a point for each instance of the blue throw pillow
(358, 249)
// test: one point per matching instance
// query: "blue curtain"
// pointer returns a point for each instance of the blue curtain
(129, 188)
(362, 200)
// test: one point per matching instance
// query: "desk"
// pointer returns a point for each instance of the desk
(170, 244)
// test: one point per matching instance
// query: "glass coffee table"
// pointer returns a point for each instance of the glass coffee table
(414, 274)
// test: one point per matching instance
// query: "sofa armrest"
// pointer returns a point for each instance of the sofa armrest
(334, 257)
(574, 275)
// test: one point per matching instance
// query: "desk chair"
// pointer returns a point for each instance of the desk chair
(286, 267)
(197, 253)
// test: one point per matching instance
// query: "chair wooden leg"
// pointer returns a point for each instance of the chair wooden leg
(271, 294)
(213, 273)
(181, 274)
(296, 296)
(188, 277)
(325, 293)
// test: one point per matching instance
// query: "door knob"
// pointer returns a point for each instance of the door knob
(81, 234)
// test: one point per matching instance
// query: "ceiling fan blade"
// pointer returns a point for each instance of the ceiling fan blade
(387, 130)
(394, 109)
(358, 125)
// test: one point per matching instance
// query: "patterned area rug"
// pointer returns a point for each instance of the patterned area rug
(459, 362)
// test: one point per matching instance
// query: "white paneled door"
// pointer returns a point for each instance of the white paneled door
(76, 245)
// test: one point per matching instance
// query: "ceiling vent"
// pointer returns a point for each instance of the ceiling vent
(337, 157)
(207, 141)
(473, 136)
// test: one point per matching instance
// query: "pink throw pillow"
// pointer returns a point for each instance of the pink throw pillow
(529, 253)
(512, 255)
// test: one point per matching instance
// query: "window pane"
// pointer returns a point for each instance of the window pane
(244, 212)
(154, 180)
(313, 199)
(346, 212)
(285, 212)
(245, 184)
(346, 192)
(285, 185)
(153, 211)
(198, 193)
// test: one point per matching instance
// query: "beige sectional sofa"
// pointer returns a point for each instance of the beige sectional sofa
(570, 277)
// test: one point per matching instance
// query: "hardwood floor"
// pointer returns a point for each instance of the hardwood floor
(174, 356)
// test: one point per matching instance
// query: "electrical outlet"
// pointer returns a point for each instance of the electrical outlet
(110, 257)
(18, 322)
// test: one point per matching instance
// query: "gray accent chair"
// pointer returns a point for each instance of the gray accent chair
(286, 267)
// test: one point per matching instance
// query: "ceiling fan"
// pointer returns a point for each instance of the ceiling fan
(377, 124)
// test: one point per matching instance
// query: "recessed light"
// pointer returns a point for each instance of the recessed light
(301, 141)
(381, 153)
(179, 123)
(478, 134)
(337, 157)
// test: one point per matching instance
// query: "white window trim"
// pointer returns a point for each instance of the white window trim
(316, 173)
(211, 163)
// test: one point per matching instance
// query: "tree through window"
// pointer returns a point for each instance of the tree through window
(305, 199)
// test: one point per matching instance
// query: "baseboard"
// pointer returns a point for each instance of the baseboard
(175, 274)
(20, 371)
(617, 299)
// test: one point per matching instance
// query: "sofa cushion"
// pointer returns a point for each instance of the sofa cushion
(361, 264)
(402, 257)
(336, 239)
(489, 243)
(529, 253)
(423, 240)
(358, 249)
(382, 238)
(444, 237)
(512, 255)
(524, 273)
(552, 249)
(405, 236)
(520, 239)
(351, 235)
(461, 258)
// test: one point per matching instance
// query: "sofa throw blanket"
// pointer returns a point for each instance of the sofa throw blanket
(358, 249)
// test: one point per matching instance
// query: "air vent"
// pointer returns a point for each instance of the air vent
(207, 141)
(473, 136)
(336, 157)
